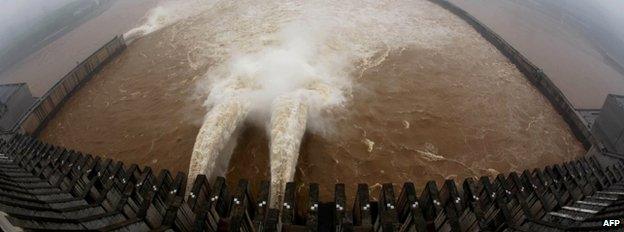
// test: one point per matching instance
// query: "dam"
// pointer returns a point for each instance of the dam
(378, 92)
(46, 187)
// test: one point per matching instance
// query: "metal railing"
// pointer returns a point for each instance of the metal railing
(46, 106)
(533, 73)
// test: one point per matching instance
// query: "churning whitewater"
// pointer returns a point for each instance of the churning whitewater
(313, 91)
(214, 136)
(288, 123)
(281, 63)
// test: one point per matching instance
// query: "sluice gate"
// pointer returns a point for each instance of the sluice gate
(44, 187)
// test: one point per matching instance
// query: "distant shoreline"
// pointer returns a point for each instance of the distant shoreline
(53, 26)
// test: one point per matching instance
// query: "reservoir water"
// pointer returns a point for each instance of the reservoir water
(391, 91)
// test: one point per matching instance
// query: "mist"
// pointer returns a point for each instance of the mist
(281, 65)
(27, 26)
(18, 17)
(611, 30)
(601, 22)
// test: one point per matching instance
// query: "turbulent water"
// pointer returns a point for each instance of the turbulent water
(314, 91)
(210, 153)
(288, 123)
(303, 66)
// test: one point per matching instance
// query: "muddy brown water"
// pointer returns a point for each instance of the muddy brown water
(564, 40)
(44, 68)
(134, 110)
(455, 111)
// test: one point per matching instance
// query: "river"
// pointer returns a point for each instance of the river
(395, 91)
(577, 43)
(43, 68)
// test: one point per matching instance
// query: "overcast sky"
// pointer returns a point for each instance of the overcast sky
(17, 15)
(614, 15)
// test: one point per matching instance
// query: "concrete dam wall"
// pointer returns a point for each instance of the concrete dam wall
(533, 73)
(45, 107)
(84, 192)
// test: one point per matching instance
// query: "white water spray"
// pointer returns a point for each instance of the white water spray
(288, 124)
(289, 61)
(163, 15)
(210, 157)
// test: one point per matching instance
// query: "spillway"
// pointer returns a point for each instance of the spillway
(210, 152)
(288, 123)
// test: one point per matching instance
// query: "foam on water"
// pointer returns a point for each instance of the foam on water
(288, 123)
(284, 60)
(210, 154)
(164, 15)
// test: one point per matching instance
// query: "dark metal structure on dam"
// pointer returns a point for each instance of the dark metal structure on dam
(45, 188)
(49, 188)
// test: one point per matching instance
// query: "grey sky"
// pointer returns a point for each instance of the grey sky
(17, 15)
(614, 15)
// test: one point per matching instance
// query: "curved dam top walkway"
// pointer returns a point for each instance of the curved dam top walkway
(46, 187)
(49, 188)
